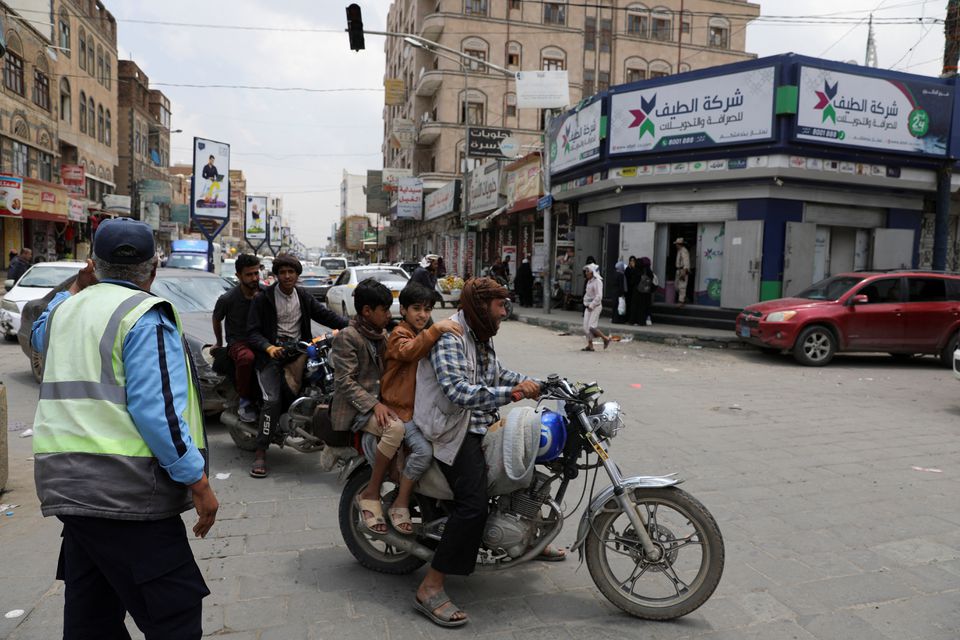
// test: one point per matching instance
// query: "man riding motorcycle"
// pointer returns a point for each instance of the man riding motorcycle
(234, 308)
(281, 313)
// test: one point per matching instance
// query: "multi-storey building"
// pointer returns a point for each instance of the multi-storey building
(233, 232)
(598, 43)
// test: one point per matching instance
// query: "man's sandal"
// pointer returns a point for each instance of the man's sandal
(375, 518)
(400, 516)
(552, 554)
(443, 617)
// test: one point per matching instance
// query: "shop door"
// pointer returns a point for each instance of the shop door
(892, 248)
(637, 239)
(843, 248)
(587, 241)
(798, 257)
(742, 252)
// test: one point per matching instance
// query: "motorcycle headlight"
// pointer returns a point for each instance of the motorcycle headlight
(10, 305)
(608, 421)
(781, 316)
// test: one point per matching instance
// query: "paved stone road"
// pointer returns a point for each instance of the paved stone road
(831, 532)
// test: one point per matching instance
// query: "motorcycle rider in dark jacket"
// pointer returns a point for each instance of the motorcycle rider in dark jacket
(281, 312)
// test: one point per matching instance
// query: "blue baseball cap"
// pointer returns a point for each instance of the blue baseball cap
(124, 241)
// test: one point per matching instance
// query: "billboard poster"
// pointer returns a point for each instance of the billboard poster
(483, 193)
(11, 194)
(353, 237)
(211, 179)
(442, 201)
(884, 114)
(574, 138)
(721, 110)
(74, 178)
(391, 178)
(255, 227)
(410, 199)
(484, 142)
(542, 89)
(274, 237)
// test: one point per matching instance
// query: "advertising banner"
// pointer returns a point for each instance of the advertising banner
(403, 134)
(255, 226)
(76, 212)
(378, 200)
(484, 142)
(120, 205)
(11, 194)
(353, 237)
(393, 92)
(722, 110)
(574, 138)
(884, 114)
(274, 235)
(158, 191)
(542, 89)
(391, 178)
(44, 197)
(211, 179)
(442, 201)
(484, 188)
(74, 178)
(523, 184)
(410, 199)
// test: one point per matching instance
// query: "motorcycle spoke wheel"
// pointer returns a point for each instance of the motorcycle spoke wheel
(679, 578)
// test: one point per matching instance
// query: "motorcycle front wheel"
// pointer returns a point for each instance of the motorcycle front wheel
(369, 550)
(681, 579)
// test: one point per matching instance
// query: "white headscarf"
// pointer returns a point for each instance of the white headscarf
(425, 262)
(595, 268)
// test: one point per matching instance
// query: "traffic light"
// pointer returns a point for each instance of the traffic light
(355, 27)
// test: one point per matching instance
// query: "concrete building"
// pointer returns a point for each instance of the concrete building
(233, 233)
(599, 47)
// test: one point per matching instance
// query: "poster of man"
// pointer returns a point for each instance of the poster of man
(256, 225)
(275, 238)
(211, 183)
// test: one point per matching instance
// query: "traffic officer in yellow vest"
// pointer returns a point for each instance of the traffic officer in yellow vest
(119, 446)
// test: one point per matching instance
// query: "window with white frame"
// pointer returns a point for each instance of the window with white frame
(510, 105)
(638, 20)
(718, 33)
(553, 59)
(475, 7)
(514, 54)
(659, 69)
(589, 82)
(475, 48)
(661, 25)
(555, 13)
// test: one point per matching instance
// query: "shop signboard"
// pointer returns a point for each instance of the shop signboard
(378, 200)
(403, 135)
(523, 183)
(574, 137)
(391, 178)
(74, 178)
(119, 205)
(356, 227)
(44, 197)
(542, 89)
(180, 213)
(255, 227)
(393, 92)
(11, 194)
(150, 213)
(484, 188)
(76, 211)
(210, 187)
(158, 191)
(484, 142)
(717, 111)
(886, 114)
(409, 199)
(442, 201)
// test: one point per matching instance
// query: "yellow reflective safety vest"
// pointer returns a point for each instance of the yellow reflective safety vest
(89, 457)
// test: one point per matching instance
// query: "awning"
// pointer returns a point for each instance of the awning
(485, 222)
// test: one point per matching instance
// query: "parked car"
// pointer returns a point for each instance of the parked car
(37, 282)
(317, 281)
(192, 292)
(409, 267)
(340, 295)
(903, 313)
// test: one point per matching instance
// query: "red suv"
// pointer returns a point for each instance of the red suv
(901, 312)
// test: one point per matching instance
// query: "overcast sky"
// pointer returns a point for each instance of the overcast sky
(297, 143)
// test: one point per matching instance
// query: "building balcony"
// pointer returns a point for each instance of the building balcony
(432, 26)
(429, 82)
(429, 132)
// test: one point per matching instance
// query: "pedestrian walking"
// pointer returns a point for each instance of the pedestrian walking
(680, 279)
(592, 306)
(647, 283)
(119, 446)
(524, 283)
(20, 264)
(632, 272)
(619, 291)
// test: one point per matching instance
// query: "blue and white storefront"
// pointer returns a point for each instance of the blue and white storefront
(776, 172)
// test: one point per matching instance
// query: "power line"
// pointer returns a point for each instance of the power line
(265, 88)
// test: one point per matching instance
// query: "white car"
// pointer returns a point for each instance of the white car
(32, 285)
(956, 364)
(340, 295)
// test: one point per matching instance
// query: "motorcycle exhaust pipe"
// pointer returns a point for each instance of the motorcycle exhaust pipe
(405, 544)
(233, 421)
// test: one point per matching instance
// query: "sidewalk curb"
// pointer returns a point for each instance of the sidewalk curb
(686, 339)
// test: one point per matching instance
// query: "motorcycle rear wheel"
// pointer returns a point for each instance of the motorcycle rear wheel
(368, 549)
(244, 440)
(681, 581)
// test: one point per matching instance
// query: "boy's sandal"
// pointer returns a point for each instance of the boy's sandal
(259, 468)
(443, 617)
(375, 518)
(400, 516)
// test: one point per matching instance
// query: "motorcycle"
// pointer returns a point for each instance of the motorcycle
(652, 549)
(305, 425)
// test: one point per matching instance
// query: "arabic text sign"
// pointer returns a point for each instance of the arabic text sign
(442, 201)
(907, 116)
(211, 179)
(11, 194)
(410, 199)
(722, 110)
(391, 177)
(575, 138)
(74, 178)
(542, 89)
(483, 142)
(255, 227)
(484, 191)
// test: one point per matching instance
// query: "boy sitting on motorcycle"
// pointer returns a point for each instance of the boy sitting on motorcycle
(357, 359)
(408, 343)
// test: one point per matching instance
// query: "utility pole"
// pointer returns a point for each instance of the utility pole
(941, 227)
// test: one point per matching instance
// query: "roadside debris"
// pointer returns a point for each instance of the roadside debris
(562, 333)
(222, 476)
(27, 433)
(14, 613)
(927, 469)
(671, 370)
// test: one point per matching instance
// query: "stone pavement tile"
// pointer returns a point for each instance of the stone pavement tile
(868, 559)
(489, 616)
(928, 578)
(289, 541)
(716, 614)
(920, 618)
(212, 617)
(21, 592)
(251, 565)
(762, 607)
(529, 580)
(621, 626)
(868, 588)
(229, 510)
(841, 624)
(778, 630)
(807, 542)
(916, 551)
(302, 581)
(241, 635)
(570, 606)
(739, 577)
(801, 599)
(241, 526)
(290, 631)
(362, 629)
(217, 547)
(255, 614)
(309, 506)
(832, 564)
(222, 590)
(893, 529)
(552, 632)
(783, 571)
(260, 508)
